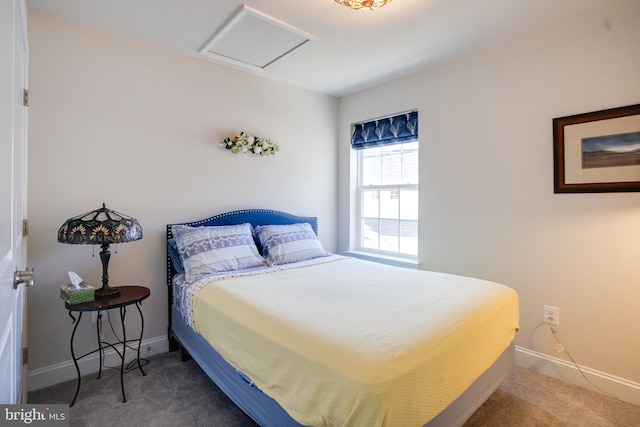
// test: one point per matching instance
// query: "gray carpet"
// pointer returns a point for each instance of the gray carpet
(175, 393)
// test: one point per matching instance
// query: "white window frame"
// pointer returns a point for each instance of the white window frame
(360, 194)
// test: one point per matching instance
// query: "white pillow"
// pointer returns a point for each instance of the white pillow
(283, 244)
(214, 249)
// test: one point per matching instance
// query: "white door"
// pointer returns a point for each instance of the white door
(13, 200)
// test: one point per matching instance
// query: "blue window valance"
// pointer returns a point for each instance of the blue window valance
(387, 131)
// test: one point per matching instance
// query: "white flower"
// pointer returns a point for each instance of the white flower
(243, 143)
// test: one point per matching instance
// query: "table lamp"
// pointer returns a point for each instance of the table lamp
(101, 227)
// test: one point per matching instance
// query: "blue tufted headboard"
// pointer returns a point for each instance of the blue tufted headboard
(252, 216)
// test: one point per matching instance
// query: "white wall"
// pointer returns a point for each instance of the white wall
(487, 207)
(115, 121)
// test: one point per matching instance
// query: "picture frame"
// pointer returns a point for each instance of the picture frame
(597, 152)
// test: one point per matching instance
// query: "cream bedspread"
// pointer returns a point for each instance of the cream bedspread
(355, 343)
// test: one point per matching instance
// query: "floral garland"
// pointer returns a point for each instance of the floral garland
(245, 143)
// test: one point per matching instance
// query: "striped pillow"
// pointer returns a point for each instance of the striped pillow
(208, 250)
(283, 244)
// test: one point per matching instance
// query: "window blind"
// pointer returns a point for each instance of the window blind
(386, 131)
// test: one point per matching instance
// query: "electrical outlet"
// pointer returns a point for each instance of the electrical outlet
(551, 315)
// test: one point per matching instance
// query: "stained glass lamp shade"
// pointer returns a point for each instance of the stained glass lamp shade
(101, 227)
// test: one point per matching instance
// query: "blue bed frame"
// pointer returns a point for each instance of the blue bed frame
(251, 216)
(262, 408)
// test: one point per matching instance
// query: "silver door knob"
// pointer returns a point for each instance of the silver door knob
(25, 277)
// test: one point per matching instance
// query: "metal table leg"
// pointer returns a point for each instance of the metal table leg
(140, 339)
(123, 312)
(73, 355)
(99, 335)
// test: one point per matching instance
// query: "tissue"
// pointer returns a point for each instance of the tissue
(77, 291)
(75, 279)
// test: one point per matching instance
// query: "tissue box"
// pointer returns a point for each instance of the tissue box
(73, 295)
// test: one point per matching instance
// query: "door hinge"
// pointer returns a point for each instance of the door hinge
(25, 227)
(25, 356)
(25, 97)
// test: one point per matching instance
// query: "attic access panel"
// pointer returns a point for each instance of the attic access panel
(251, 39)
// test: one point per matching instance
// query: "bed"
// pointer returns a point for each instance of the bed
(297, 336)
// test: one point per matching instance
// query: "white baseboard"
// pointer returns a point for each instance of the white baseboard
(623, 389)
(65, 371)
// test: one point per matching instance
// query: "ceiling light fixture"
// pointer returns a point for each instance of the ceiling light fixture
(363, 4)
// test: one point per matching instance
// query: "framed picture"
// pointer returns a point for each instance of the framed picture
(597, 152)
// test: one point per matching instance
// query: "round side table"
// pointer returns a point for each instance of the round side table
(128, 295)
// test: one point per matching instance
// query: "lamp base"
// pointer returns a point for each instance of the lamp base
(106, 292)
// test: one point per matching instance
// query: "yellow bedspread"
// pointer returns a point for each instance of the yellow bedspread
(355, 343)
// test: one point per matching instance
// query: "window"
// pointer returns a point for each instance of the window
(387, 216)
